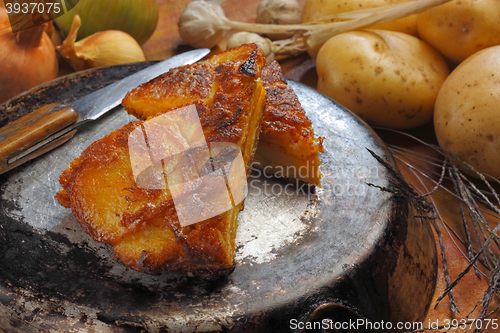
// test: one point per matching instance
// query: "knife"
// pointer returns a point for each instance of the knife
(51, 125)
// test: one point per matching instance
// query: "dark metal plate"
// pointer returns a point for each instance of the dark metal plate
(300, 254)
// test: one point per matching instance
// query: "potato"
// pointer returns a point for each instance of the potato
(388, 78)
(467, 113)
(460, 28)
(315, 9)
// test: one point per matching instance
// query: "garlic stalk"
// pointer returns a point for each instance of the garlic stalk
(202, 23)
(378, 16)
(270, 48)
(104, 48)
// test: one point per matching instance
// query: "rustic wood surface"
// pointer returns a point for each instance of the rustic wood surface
(166, 42)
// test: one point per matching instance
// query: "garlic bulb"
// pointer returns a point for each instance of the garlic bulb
(104, 48)
(27, 59)
(203, 23)
(241, 38)
(279, 12)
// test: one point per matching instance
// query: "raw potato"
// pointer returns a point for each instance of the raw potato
(467, 114)
(388, 78)
(461, 28)
(315, 9)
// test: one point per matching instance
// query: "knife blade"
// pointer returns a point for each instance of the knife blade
(50, 126)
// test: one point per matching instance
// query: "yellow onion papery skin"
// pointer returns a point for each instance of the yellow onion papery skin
(105, 48)
(27, 59)
(138, 18)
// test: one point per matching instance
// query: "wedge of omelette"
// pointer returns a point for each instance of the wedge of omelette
(105, 186)
(287, 145)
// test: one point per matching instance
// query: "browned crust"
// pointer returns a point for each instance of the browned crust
(100, 187)
(283, 114)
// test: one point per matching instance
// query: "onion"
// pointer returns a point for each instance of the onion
(138, 18)
(27, 59)
(105, 48)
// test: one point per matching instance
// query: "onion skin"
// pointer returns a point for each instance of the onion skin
(27, 59)
(109, 48)
(138, 18)
(105, 48)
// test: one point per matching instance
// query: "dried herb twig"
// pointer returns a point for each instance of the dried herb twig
(472, 214)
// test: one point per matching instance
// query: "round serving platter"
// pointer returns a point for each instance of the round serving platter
(346, 251)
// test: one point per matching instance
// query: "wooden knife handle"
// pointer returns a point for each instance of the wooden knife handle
(27, 131)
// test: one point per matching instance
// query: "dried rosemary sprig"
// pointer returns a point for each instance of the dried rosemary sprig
(424, 208)
(470, 198)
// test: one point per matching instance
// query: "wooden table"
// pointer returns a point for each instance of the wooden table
(166, 42)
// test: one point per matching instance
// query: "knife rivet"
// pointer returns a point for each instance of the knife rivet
(2, 138)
